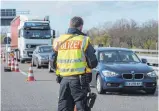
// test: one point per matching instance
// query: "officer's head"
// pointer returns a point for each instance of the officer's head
(76, 22)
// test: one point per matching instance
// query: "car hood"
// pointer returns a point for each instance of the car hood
(127, 67)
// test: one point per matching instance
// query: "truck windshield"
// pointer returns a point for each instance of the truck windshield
(36, 25)
(37, 34)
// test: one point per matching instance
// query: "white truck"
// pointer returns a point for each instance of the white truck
(27, 33)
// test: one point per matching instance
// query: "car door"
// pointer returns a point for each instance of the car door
(94, 72)
(52, 59)
(35, 55)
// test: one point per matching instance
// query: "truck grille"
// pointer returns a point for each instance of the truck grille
(127, 76)
(31, 46)
(29, 53)
(133, 76)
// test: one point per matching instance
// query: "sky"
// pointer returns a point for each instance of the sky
(94, 13)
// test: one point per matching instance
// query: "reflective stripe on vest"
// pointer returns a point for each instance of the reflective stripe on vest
(72, 70)
(84, 45)
(69, 60)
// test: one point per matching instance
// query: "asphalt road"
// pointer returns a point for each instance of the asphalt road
(17, 94)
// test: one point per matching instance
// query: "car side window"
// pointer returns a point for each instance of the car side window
(134, 58)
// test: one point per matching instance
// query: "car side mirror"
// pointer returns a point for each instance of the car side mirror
(53, 33)
(144, 60)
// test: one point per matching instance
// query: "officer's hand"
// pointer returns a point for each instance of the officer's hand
(58, 79)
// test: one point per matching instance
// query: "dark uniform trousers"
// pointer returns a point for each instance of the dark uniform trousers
(71, 93)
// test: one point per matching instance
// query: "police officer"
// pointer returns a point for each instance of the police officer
(71, 67)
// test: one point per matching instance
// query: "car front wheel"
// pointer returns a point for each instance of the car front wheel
(49, 66)
(99, 85)
(37, 65)
(33, 62)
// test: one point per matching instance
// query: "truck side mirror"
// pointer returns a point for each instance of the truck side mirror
(53, 33)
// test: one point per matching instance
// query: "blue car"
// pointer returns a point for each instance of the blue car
(51, 60)
(121, 69)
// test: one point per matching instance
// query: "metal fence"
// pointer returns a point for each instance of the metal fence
(150, 55)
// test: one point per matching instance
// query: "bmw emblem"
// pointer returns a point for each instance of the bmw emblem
(132, 72)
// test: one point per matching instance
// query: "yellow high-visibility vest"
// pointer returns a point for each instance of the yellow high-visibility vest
(71, 58)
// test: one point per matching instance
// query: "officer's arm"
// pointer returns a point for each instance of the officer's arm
(55, 55)
(89, 49)
(90, 55)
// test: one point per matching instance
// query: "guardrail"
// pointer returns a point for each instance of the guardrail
(150, 55)
(145, 51)
(153, 61)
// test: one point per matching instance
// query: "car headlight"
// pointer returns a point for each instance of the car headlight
(109, 73)
(152, 74)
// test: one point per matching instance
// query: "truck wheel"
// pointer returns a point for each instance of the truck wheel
(150, 91)
(18, 56)
(37, 65)
(22, 61)
(99, 85)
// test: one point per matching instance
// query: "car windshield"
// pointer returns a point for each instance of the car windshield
(37, 34)
(45, 49)
(118, 56)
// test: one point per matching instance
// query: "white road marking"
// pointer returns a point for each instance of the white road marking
(23, 73)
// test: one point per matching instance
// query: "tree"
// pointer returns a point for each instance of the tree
(126, 33)
(148, 34)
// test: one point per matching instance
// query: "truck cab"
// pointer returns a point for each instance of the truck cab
(31, 33)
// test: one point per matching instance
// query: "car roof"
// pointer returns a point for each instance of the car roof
(112, 48)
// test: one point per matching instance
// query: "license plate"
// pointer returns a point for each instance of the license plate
(133, 83)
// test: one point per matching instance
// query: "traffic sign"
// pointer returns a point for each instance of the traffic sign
(7, 40)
